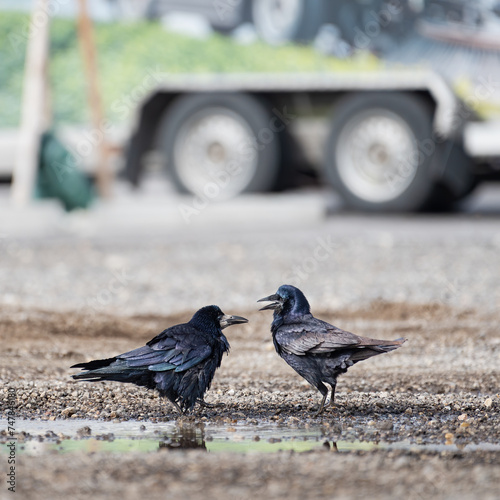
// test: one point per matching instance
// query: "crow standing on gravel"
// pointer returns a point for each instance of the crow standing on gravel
(180, 362)
(316, 350)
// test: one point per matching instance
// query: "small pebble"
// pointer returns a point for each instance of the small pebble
(386, 425)
(68, 412)
(84, 431)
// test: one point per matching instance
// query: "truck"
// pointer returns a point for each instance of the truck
(389, 140)
(394, 140)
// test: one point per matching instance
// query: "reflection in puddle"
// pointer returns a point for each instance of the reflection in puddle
(66, 436)
(184, 438)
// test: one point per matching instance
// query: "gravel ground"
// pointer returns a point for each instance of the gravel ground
(197, 475)
(340, 262)
(439, 388)
(434, 282)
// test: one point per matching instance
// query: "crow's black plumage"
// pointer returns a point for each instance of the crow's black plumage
(316, 350)
(180, 362)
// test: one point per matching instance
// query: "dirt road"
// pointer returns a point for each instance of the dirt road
(432, 406)
(441, 387)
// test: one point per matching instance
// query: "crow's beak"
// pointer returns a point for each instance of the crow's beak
(228, 320)
(276, 302)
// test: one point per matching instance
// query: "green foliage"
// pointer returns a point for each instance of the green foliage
(127, 53)
(12, 54)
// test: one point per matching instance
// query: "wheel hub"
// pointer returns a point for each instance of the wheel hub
(376, 156)
(215, 146)
(216, 152)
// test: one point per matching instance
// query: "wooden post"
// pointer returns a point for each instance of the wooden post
(87, 44)
(34, 114)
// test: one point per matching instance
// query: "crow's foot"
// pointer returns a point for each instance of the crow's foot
(204, 404)
(321, 406)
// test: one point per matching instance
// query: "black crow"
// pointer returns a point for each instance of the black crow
(316, 350)
(180, 362)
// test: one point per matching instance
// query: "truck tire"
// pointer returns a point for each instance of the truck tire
(380, 154)
(278, 22)
(458, 167)
(220, 145)
(456, 179)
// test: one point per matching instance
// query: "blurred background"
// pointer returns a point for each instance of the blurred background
(229, 97)
(150, 122)
(157, 156)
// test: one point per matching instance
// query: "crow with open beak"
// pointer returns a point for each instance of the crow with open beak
(316, 350)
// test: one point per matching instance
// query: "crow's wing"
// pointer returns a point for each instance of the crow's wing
(314, 336)
(177, 348)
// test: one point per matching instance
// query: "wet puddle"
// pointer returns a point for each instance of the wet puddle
(65, 436)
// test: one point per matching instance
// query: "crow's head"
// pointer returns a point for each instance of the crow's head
(209, 317)
(288, 299)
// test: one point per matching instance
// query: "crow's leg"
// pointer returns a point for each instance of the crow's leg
(321, 406)
(332, 397)
(322, 388)
(179, 409)
(204, 404)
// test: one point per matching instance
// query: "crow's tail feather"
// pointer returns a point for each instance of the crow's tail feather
(382, 345)
(390, 345)
(94, 365)
(372, 347)
(115, 370)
